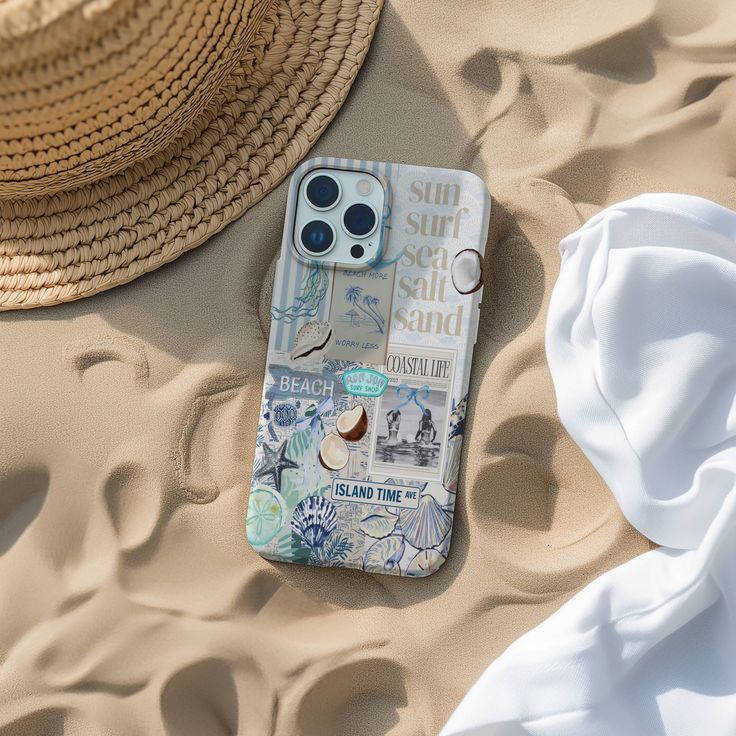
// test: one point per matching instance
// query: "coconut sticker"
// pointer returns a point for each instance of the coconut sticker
(467, 271)
(352, 424)
(333, 452)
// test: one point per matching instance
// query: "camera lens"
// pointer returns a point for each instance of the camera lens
(317, 237)
(359, 220)
(357, 251)
(322, 192)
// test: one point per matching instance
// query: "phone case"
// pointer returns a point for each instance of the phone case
(363, 411)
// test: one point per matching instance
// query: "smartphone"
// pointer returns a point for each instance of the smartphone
(374, 317)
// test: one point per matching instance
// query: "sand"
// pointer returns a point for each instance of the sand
(131, 602)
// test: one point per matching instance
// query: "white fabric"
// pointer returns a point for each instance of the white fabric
(641, 342)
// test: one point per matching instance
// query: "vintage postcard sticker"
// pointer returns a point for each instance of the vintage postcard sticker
(410, 426)
(360, 312)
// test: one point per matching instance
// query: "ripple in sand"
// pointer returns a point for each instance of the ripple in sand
(359, 697)
(207, 436)
(517, 278)
(544, 527)
(82, 355)
(264, 594)
(46, 722)
(701, 88)
(683, 17)
(22, 494)
(517, 488)
(627, 58)
(201, 699)
(133, 502)
(258, 591)
(531, 29)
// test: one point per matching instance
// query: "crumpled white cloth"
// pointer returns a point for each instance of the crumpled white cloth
(641, 343)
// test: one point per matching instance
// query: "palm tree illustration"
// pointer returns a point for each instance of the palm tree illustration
(353, 295)
(372, 303)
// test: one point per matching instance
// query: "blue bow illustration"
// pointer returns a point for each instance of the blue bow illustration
(313, 423)
(408, 394)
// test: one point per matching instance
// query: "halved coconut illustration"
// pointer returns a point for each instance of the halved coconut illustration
(352, 424)
(312, 341)
(467, 271)
(333, 452)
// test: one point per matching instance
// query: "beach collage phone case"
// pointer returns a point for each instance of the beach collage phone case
(365, 392)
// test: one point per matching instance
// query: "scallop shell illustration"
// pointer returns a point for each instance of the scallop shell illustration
(384, 555)
(313, 520)
(378, 522)
(312, 341)
(444, 546)
(424, 563)
(452, 466)
(427, 524)
(456, 430)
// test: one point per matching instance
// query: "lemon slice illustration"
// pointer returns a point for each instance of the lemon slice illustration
(265, 516)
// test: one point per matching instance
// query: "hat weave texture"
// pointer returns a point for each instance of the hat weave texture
(131, 131)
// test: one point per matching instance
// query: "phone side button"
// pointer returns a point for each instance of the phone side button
(477, 323)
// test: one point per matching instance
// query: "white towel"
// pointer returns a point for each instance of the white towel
(641, 343)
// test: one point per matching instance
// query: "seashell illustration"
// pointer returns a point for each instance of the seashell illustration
(313, 520)
(456, 425)
(266, 512)
(452, 465)
(333, 452)
(444, 546)
(427, 524)
(379, 523)
(456, 430)
(424, 563)
(352, 424)
(466, 271)
(312, 341)
(421, 485)
(384, 555)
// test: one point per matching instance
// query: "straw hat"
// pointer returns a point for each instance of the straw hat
(132, 130)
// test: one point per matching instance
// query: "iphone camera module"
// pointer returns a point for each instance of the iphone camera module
(338, 217)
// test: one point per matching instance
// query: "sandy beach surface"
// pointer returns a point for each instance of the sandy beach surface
(131, 602)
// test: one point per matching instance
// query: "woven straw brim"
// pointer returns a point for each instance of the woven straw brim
(165, 165)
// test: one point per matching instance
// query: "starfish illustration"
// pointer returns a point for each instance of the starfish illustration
(274, 464)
